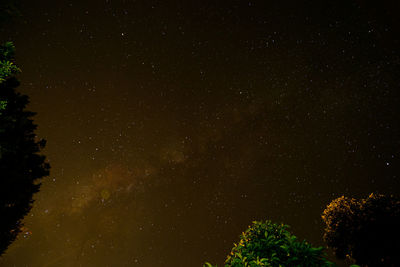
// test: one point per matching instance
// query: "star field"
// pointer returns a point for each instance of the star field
(171, 125)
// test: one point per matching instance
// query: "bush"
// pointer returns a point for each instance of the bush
(269, 244)
(365, 230)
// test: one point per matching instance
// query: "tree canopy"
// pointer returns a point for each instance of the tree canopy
(270, 244)
(7, 66)
(366, 230)
(21, 165)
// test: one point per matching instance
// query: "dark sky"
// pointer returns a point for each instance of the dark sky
(171, 125)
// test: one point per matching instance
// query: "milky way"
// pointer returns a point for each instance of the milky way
(171, 125)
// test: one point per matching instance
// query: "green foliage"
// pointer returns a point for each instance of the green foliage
(7, 66)
(7, 69)
(3, 105)
(365, 230)
(269, 244)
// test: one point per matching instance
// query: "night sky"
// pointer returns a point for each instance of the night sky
(172, 125)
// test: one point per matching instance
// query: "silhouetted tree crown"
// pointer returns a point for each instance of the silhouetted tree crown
(21, 165)
(269, 244)
(365, 230)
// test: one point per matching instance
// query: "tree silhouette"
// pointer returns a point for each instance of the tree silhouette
(21, 167)
(365, 230)
(269, 244)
